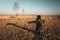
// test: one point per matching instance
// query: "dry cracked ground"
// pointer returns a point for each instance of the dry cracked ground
(49, 31)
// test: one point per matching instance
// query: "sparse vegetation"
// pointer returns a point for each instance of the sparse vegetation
(49, 31)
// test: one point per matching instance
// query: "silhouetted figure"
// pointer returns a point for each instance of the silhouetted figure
(38, 23)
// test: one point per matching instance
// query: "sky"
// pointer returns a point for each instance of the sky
(30, 7)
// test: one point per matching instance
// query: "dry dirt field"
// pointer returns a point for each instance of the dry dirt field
(49, 31)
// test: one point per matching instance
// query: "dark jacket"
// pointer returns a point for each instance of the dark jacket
(38, 24)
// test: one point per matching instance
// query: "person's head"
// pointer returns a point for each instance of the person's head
(38, 17)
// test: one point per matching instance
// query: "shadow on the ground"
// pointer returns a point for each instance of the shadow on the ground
(33, 31)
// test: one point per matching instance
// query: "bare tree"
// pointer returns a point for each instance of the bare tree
(23, 10)
(16, 8)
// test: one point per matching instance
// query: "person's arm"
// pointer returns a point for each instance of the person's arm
(32, 21)
(42, 21)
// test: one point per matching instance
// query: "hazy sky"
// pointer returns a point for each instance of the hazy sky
(30, 6)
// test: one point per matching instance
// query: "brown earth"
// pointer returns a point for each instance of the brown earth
(49, 31)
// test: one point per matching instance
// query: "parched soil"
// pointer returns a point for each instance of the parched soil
(50, 29)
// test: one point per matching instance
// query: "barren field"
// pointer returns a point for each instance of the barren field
(49, 31)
